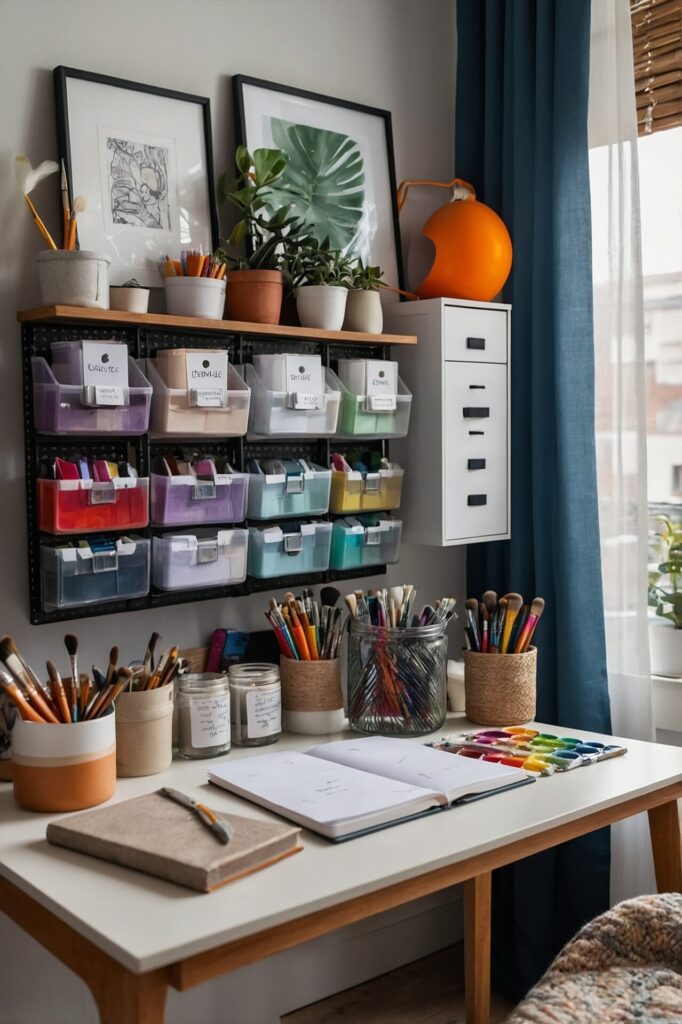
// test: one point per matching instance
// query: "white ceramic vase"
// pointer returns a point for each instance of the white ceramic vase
(322, 306)
(665, 645)
(364, 312)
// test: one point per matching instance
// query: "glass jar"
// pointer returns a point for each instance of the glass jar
(397, 679)
(203, 703)
(256, 704)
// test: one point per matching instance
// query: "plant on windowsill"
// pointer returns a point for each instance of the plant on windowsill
(363, 307)
(320, 277)
(665, 595)
(255, 280)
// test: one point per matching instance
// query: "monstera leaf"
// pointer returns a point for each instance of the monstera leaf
(324, 182)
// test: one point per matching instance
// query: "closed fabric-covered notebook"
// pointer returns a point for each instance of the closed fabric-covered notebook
(155, 835)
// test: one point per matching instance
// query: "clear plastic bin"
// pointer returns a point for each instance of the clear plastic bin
(74, 576)
(83, 506)
(202, 559)
(361, 541)
(365, 492)
(274, 551)
(184, 500)
(356, 421)
(175, 414)
(59, 409)
(282, 495)
(272, 414)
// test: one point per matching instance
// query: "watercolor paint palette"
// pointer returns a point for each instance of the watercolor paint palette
(538, 753)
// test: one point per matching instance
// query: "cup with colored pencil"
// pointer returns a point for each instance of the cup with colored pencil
(195, 285)
(500, 690)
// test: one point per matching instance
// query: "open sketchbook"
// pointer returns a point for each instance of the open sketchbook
(346, 787)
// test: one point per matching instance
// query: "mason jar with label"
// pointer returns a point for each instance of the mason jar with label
(203, 703)
(256, 704)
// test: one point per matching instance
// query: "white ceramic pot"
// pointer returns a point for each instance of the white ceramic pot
(130, 300)
(665, 644)
(73, 278)
(322, 306)
(364, 312)
(195, 296)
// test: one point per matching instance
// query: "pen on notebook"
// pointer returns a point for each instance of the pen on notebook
(220, 829)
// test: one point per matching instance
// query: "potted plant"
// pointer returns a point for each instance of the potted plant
(320, 276)
(363, 307)
(665, 595)
(255, 281)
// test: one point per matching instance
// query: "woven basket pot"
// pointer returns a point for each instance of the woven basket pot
(499, 689)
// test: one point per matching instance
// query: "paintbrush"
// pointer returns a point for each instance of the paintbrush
(471, 608)
(28, 713)
(71, 644)
(16, 666)
(84, 696)
(27, 178)
(514, 603)
(113, 662)
(148, 663)
(489, 599)
(80, 205)
(526, 635)
(112, 692)
(57, 690)
(485, 623)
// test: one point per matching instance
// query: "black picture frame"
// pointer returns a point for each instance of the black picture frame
(240, 81)
(61, 77)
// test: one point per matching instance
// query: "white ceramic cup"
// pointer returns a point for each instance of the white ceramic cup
(195, 296)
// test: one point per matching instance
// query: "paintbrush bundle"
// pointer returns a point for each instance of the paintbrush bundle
(504, 626)
(397, 662)
(81, 697)
(307, 629)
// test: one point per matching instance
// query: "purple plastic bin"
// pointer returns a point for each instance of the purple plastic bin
(58, 408)
(67, 361)
(183, 500)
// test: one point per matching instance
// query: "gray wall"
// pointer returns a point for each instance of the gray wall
(395, 54)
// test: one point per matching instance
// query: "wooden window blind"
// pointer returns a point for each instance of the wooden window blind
(657, 49)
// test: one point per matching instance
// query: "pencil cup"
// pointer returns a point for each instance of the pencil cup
(500, 689)
(73, 278)
(397, 679)
(195, 296)
(312, 699)
(64, 767)
(144, 730)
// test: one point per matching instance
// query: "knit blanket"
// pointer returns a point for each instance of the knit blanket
(625, 967)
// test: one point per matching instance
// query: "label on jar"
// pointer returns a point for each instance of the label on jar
(210, 721)
(263, 713)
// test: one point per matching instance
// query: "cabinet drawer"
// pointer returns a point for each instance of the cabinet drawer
(475, 335)
(475, 452)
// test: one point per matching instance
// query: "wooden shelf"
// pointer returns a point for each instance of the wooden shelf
(77, 314)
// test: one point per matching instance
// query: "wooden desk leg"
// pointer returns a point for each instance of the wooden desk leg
(126, 998)
(477, 906)
(664, 828)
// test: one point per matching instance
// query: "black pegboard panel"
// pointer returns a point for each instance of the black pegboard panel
(143, 342)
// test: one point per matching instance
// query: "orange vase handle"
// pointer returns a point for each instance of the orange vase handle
(405, 186)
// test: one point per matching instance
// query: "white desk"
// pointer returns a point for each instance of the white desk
(129, 935)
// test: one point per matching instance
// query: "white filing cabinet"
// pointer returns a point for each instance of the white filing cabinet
(456, 455)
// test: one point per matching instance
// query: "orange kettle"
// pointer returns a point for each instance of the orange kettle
(473, 248)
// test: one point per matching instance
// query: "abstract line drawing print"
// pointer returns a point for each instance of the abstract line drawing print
(138, 184)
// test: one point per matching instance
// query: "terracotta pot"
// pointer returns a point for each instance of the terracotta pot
(254, 296)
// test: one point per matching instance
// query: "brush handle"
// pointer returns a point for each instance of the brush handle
(28, 713)
(59, 697)
(39, 224)
(509, 620)
(526, 634)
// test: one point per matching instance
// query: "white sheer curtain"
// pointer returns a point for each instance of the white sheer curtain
(620, 409)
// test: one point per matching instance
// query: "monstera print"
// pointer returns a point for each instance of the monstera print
(325, 181)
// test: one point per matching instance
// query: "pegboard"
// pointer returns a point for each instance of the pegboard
(143, 342)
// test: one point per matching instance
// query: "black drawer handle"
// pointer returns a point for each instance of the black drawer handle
(476, 412)
(476, 464)
(477, 387)
(478, 343)
(477, 499)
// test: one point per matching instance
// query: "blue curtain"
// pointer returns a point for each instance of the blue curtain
(521, 140)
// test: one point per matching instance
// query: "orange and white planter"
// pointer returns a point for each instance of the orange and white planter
(64, 767)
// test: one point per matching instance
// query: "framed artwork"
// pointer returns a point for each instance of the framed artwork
(143, 159)
(340, 174)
